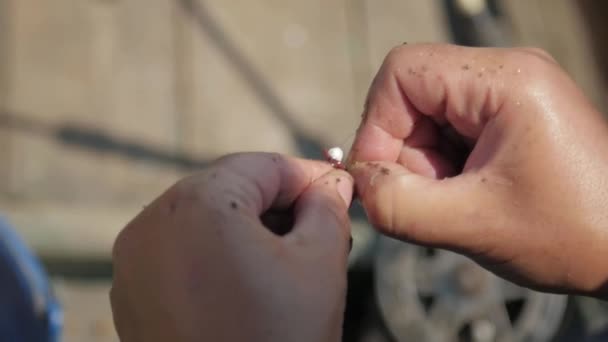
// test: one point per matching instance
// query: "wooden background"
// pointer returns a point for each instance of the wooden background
(180, 79)
(105, 103)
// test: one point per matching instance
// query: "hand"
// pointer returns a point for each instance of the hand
(528, 199)
(199, 264)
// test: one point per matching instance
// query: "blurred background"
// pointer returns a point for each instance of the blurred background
(106, 103)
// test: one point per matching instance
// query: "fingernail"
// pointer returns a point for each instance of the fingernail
(345, 188)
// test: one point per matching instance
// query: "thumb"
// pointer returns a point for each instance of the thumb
(321, 214)
(445, 213)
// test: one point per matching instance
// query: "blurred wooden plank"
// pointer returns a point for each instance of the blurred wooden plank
(68, 231)
(80, 218)
(96, 65)
(206, 80)
(5, 138)
(134, 69)
(559, 28)
(72, 201)
(141, 96)
(359, 42)
(101, 63)
(394, 22)
(87, 311)
(5, 45)
(390, 23)
(50, 84)
(257, 68)
(594, 13)
(255, 76)
(51, 61)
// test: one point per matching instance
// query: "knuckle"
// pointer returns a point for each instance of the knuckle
(537, 68)
(125, 249)
(538, 53)
(118, 248)
(186, 190)
(228, 158)
(197, 192)
(395, 57)
(536, 62)
(398, 52)
(216, 193)
(395, 53)
(402, 55)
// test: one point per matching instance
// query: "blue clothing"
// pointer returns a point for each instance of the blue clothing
(28, 309)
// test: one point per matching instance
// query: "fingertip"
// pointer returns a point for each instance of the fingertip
(366, 175)
(322, 209)
(336, 186)
(267, 180)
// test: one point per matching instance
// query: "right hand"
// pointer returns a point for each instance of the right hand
(252, 248)
(530, 201)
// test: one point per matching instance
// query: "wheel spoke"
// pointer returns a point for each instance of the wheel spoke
(483, 330)
(432, 271)
(499, 316)
(428, 281)
(457, 301)
(512, 291)
(446, 316)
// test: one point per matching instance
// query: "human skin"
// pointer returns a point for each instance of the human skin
(199, 264)
(492, 153)
(529, 202)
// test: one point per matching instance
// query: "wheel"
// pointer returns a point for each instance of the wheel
(434, 295)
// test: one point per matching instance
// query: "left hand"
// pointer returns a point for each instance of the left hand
(198, 264)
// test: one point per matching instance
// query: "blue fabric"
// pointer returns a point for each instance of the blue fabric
(28, 309)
